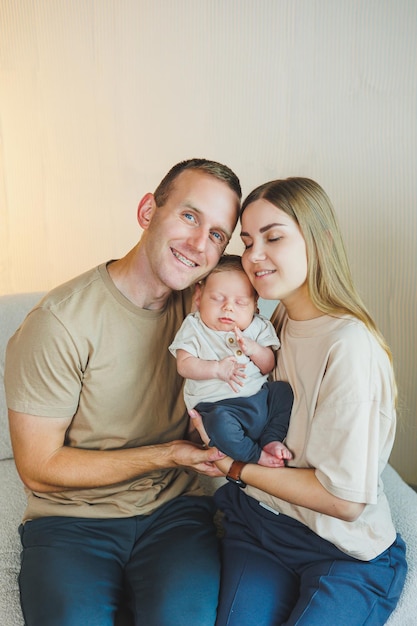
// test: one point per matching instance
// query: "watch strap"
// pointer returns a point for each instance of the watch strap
(234, 473)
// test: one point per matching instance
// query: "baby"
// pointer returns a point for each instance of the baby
(225, 351)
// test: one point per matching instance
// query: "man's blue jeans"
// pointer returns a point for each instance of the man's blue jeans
(76, 571)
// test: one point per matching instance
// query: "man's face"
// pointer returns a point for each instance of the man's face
(187, 235)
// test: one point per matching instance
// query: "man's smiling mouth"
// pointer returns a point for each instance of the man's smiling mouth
(183, 259)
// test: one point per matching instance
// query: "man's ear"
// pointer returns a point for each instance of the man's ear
(146, 209)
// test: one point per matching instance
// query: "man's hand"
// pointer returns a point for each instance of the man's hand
(197, 457)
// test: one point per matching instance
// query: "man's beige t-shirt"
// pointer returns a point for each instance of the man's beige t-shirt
(87, 352)
(342, 423)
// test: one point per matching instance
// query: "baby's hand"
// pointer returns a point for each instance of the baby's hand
(231, 372)
(245, 344)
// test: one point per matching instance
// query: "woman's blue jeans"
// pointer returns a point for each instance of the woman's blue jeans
(276, 572)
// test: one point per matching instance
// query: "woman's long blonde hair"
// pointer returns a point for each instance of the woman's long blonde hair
(329, 277)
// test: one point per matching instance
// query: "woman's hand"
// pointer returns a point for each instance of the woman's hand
(199, 426)
(197, 457)
(224, 462)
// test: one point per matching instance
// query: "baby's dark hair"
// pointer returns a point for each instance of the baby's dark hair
(228, 263)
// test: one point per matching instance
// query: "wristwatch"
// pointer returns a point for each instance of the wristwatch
(234, 473)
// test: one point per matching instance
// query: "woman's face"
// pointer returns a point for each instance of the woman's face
(275, 256)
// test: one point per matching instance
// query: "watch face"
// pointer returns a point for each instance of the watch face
(236, 481)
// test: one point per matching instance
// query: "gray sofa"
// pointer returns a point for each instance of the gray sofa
(13, 309)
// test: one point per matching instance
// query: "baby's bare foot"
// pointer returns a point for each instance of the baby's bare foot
(270, 460)
(277, 449)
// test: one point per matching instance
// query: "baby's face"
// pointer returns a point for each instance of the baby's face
(227, 299)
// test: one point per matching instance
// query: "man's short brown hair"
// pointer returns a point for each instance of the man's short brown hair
(217, 170)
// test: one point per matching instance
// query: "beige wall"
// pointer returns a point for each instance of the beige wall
(98, 98)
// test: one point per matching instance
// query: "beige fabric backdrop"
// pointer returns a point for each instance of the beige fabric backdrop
(98, 98)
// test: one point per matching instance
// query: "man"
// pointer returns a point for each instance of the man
(97, 423)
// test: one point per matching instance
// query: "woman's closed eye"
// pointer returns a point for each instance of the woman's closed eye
(248, 243)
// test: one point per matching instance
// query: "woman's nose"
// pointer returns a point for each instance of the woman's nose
(255, 253)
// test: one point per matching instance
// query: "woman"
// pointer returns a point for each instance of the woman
(313, 543)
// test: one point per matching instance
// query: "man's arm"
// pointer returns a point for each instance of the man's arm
(45, 464)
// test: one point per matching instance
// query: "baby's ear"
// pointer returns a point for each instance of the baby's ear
(195, 305)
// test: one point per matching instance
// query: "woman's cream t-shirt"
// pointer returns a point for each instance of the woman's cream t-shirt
(342, 423)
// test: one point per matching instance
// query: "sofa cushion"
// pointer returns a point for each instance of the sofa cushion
(12, 505)
(13, 310)
(403, 503)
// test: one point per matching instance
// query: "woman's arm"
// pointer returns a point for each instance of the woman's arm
(298, 486)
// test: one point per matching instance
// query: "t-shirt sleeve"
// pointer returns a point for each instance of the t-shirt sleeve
(187, 338)
(266, 335)
(43, 372)
(350, 431)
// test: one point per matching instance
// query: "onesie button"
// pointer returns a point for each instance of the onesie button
(231, 340)
(239, 352)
